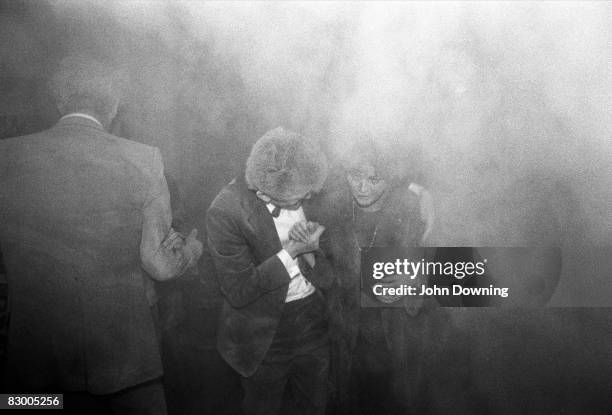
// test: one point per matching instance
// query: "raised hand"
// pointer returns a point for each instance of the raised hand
(195, 245)
(173, 241)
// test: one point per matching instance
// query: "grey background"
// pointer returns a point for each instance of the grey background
(502, 110)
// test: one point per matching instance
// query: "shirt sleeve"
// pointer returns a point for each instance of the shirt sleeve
(290, 264)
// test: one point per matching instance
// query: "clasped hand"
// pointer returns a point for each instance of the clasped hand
(176, 241)
(391, 281)
(304, 237)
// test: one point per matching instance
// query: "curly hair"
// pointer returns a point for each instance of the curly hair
(391, 164)
(283, 164)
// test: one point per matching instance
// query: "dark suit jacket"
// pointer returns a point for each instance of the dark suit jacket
(243, 242)
(71, 203)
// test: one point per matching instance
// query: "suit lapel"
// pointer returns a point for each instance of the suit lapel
(265, 230)
(306, 208)
(261, 222)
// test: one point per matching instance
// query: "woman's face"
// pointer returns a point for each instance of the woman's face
(367, 188)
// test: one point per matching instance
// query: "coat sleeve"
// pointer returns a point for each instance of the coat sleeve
(241, 280)
(161, 263)
(322, 274)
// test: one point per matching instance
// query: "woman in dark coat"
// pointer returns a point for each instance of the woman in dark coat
(377, 350)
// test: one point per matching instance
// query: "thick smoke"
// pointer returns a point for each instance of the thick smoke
(501, 108)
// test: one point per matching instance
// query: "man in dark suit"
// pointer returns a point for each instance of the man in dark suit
(83, 215)
(273, 328)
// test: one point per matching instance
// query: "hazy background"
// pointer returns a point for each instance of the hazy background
(503, 110)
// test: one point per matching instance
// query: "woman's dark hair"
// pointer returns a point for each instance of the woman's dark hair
(392, 164)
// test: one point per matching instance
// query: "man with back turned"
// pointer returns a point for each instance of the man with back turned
(85, 227)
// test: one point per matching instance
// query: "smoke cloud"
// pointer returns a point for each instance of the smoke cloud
(502, 108)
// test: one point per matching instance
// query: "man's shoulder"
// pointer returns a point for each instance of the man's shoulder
(65, 133)
(227, 207)
(19, 150)
(23, 140)
(230, 198)
(131, 149)
(403, 196)
(401, 202)
(141, 156)
(83, 145)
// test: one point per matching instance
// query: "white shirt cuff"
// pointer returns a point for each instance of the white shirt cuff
(289, 263)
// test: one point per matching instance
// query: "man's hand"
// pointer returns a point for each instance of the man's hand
(411, 303)
(427, 213)
(173, 241)
(391, 281)
(195, 245)
(302, 230)
(304, 237)
(176, 241)
(426, 208)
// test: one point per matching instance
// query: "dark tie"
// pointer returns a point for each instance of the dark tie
(275, 212)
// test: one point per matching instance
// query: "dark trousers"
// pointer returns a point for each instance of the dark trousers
(373, 373)
(292, 379)
(145, 399)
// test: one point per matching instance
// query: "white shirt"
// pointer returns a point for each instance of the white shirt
(299, 287)
(82, 115)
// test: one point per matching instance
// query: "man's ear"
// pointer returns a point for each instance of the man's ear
(264, 197)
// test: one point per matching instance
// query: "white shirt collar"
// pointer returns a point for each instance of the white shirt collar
(290, 214)
(270, 207)
(82, 115)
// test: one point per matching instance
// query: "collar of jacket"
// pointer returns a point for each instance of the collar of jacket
(252, 204)
(78, 121)
(257, 215)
